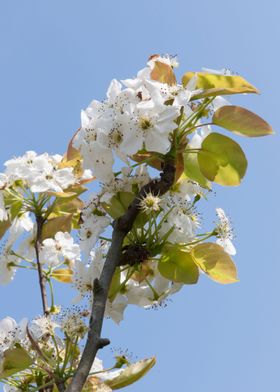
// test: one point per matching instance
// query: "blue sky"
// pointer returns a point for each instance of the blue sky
(58, 55)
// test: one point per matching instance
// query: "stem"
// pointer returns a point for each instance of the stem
(200, 240)
(52, 293)
(42, 279)
(122, 227)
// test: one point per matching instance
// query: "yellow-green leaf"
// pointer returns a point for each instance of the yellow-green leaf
(63, 275)
(215, 262)
(115, 285)
(52, 226)
(63, 195)
(93, 384)
(72, 152)
(152, 159)
(177, 265)
(4, 226)
(213, 84)
(192, 170)
(118, 204)
(222, 160)
(14, 361)
(163, 73)
(241, 121)
(73, 205)
(131, 373)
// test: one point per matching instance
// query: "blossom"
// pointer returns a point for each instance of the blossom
(224, 232)
(20, 225)
(150, 203)
(11, 333)
(41, 327)
(84, 274)
(90, 230)
(8, 263)
(150, 124)
(59, 249)
(3, 211)
(40, 172)
(115, 309)
(178, 218)
(72, 324)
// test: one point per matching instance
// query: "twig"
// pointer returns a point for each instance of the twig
(121, 227)
(42, 280)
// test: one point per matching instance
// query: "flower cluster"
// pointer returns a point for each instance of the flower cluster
(147, 124)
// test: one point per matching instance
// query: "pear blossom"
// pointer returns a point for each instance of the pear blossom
(178, 219)
(84, 274)
(40, 172)
(90, 230)
(115, 309)
(8, 263)
(3, 211)
(20, 225)
(150, 124)
(41, 327)
(150, 203)
(224, 232)
(59, 249)
(11, 332)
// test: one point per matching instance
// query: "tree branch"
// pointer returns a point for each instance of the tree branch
(42, 280)
(121, 227)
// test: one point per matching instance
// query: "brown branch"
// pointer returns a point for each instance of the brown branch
(121, 227)
(42, 280)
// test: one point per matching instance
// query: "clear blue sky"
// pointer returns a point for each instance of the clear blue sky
(56, 56)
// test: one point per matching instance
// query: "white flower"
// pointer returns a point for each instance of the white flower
(139, 294)
(115, 309)
(42, 327)
(149, 124)
(73, 325)
(40, 172)
(150, 203)
(3, 180)
(84, 274)
(8, 264)
(11, 333)
(10, 388)
(179, 219)
(90, 231)
(199, 136)
(223, 71)
(60, 249)
(3, 211)
(20, 225)
(224, 232)
(97, 366)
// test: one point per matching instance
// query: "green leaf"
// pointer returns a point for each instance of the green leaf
(131, 374)
(163, 73)
(215, 262)
(241, 121)
(192, 170)
(177, 265)
(15, 208)
(115, 285)
(4, 226)
(14, 361)
(52, 226)
(213, 85)
(63, 275)
(222, 160)
(118, 204)
(71, 206)
(72, 153)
